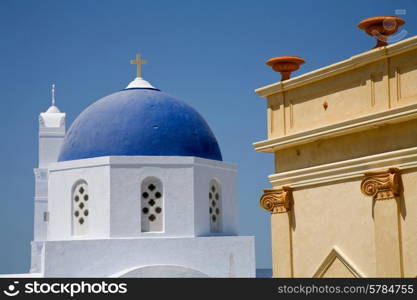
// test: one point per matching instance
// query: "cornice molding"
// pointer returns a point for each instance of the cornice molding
(352, 169)
(394, 115)
(141, 161)
(349, 64)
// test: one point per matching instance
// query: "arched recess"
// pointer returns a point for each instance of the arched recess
(152, 205)
(215, 206)
(80, 198)
(161, 271)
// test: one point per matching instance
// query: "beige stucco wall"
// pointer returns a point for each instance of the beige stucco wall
(374, 87)
(325, 153)
(379, 140)
(332, 215)
(408, 221)
(338, 270)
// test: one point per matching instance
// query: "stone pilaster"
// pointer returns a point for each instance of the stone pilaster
(385, 189)
(279, 203)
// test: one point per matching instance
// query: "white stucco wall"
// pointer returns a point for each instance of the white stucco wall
(51, 136)
(227, 256)
(37, 251)
(115, 188)
(176, 175)
(115, 243)
(62, 177)
(41, 204)
(225, 174)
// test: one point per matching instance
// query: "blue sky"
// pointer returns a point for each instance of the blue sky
(209, 53)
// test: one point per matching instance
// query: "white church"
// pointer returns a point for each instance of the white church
(135, 188)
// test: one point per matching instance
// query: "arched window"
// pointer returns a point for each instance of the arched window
(152, 205)
(215, 201)
(80, 198)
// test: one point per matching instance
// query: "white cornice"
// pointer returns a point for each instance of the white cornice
(346, 170)
(395, 115)
(351, 63)
(49, 134)
(139, 161)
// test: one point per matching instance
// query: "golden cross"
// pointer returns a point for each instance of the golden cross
(138, 62)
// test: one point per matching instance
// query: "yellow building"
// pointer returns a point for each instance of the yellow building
(343, 201)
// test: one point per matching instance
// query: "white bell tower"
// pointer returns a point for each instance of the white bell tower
(51, 135)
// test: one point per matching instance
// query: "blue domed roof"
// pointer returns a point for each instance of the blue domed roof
(139, 122)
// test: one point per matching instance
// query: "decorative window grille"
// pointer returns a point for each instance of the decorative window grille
(215, 201)
(152, 205)
(80, 212)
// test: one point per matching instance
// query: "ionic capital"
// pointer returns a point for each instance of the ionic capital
(277, 200)
(382, 185)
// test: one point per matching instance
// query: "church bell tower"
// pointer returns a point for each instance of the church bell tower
(51, 135)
